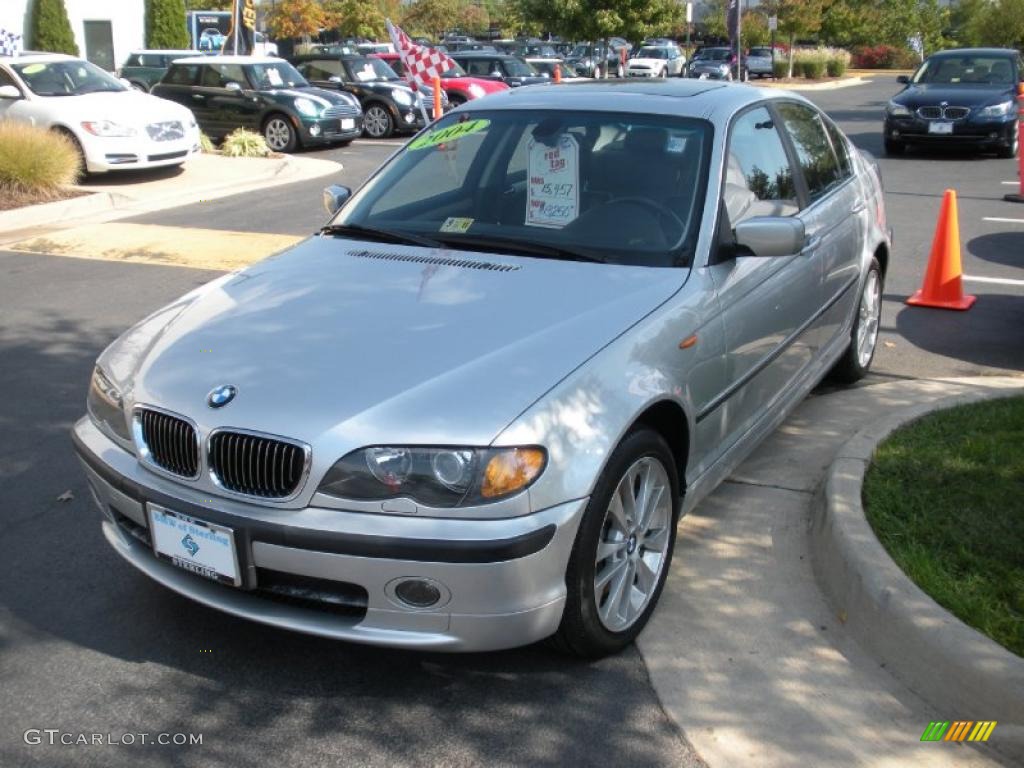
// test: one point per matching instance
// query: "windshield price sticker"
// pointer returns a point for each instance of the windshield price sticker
(449, 134)
(274, 76)
(553, 194)
(455, 224)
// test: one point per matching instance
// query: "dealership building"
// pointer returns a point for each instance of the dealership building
(106, 30)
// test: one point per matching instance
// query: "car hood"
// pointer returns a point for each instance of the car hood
(463, 83)
(974, 95)
(332, 98)
(129, 107)
(359, 343)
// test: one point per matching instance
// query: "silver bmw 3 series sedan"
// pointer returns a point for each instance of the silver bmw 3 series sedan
(469, 413)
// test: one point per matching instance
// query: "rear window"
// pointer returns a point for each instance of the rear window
(181, 74)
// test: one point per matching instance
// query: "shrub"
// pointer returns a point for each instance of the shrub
(206, 143)
(35, 161)
(781, 67)
(51, 30)
(243, 143)
(814, 69)
(883, 57)
(165, 24)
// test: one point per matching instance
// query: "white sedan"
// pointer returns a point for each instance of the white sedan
(113, 126)
(656, 61)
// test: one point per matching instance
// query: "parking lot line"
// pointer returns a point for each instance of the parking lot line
(1002, 220)
(156, 244)
(992, 280)
(1010, 183)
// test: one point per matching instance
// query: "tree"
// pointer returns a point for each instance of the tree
(596, 19)
(208, 5)
(715, 22)
(51, 30)
(796, 18)
(431, 17)
(165, 24)
(296, 18)
(355, 18)
(999, 23)
(755, 28)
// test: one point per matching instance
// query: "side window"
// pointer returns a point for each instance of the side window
(758, 176)
(135, 60)
(6, 79)
(182, 74)
(813, 148)
(321, 69)
(841, 148)
(477, 67)
(219, 75)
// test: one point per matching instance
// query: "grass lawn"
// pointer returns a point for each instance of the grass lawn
(945, 496)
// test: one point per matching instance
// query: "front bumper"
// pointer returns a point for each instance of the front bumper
(504, 580)
(104, 154)
(326, 130)
(913, 130)
(642, 73)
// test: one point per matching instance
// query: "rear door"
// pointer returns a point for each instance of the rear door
(767, 304)
(178, 85)
(836, 216)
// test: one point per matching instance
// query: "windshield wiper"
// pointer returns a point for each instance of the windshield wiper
(384, 235)
(517, 246)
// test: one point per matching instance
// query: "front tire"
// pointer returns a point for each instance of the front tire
(82, 169)
(1010, 151)
(623, 549)
(856, 361)
(279, 133)
(377, 122)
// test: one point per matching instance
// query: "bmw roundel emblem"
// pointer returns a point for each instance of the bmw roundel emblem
(221, 396)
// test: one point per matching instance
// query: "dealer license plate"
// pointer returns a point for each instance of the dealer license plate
(943, 128)
(202, 548)
(348, 123)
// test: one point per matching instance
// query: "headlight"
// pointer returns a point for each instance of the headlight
(108, 129)
(997, 110)
(435, 477)
(402, 97)
(476, 91)
(307, 107)
(898, 110)
(106, 407)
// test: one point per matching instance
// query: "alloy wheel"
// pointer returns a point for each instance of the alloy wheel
(278, 134)
(868, 318)
(632, 547)
(377, 122)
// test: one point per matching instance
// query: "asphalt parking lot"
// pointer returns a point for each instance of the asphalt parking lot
(87, 645)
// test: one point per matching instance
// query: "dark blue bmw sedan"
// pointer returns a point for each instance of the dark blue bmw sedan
(965, 97)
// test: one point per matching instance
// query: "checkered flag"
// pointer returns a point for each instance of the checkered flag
(10, 43)
(422, 64)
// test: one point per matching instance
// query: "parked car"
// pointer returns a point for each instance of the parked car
(112, 125)
(713, 64)
(759, 63)
(965, 97)
(456, 86)
(510, 70)
(389, 105)
(547, 68)
(262, 46)
(143, 69)
(469, 413)
(656, 61)
(596, 59)
(263, 94)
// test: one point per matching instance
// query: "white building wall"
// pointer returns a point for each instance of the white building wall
(127, 20)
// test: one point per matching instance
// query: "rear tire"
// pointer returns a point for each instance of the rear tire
(856, 360)
(623, 549)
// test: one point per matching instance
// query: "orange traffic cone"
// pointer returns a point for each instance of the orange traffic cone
(942, 288)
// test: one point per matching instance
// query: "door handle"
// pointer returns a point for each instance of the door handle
(812, 242)
(858, 208)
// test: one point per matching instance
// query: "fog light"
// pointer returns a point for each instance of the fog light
(993, 135)
(418, 593)
(314, 130)
(410, 117)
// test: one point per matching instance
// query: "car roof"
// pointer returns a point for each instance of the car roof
(43, 57)
(229, 59)
(710, 99)
(481, 54)
(977, 52)
(165, 51)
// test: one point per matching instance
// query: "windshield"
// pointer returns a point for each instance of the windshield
(715, 54)
(518, 68)
(761, 52)
(280, 74)
(580, 50)
(652, 53)
(369, 70)
(66, 78)
(966, 70)
(621, 188)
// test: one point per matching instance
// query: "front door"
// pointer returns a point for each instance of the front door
(767, 303)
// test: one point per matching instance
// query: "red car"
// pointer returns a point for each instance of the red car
(459, 87)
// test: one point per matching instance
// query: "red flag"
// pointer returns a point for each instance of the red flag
(422, 63)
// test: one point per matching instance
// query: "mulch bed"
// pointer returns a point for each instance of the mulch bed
(9, 200)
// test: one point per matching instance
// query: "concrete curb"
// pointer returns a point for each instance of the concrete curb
(109, 205)
(957, 670)
(835, 85)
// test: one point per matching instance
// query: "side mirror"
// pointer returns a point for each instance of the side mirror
(903, 79)
(767, 236)
(233, 87)
(334, 79)
(335, 197)
(9, 92)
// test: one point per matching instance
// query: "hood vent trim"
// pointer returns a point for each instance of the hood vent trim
(487, 266)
